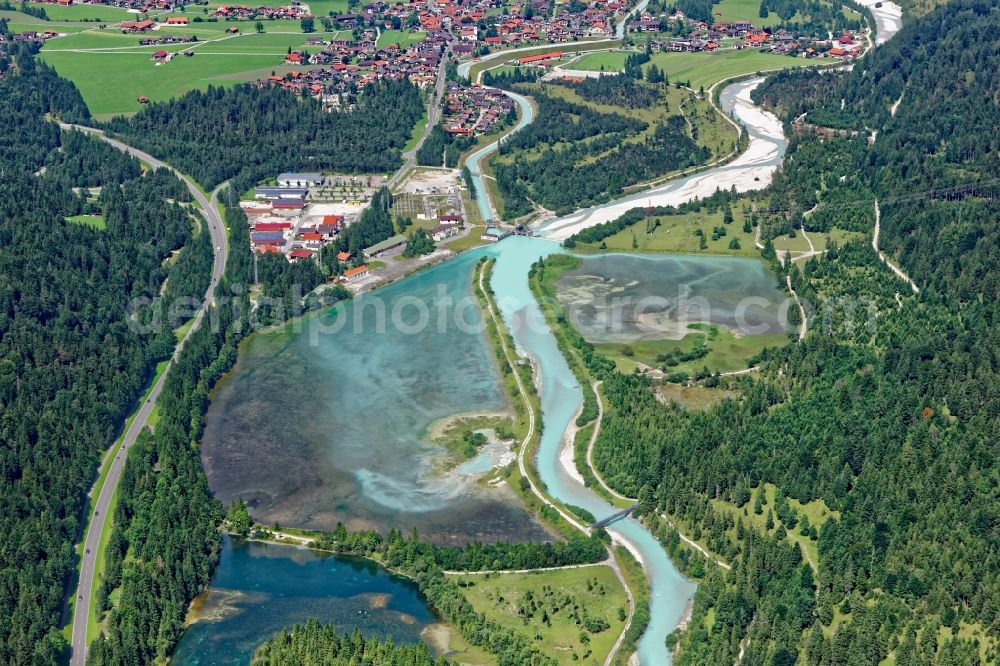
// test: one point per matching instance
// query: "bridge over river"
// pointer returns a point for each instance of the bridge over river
(604, 522)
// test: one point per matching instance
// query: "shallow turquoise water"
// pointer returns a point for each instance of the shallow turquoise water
(474, 160)
(561, 396)
(317, 428)
(323, 420)
(260, 588)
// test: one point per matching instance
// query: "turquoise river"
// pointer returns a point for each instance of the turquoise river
(325, 421)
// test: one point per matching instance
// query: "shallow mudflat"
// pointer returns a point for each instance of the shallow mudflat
(326, 420)
(628, 297)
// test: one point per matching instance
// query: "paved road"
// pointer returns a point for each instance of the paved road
(102, 503)
(433, 116)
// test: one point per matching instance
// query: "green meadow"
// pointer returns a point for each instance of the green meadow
(402, 37)
(92, 221)
(112, 70)
(82, 12)
(327, 7)
(701, 69)
(573, 615)
(111, 83)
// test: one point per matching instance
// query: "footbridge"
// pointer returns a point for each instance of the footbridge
(617, 515)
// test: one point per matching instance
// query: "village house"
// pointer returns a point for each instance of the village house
(441, 232)
(137, 26)
(354, 274)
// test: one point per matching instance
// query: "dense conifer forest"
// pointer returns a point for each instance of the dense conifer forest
(884, 417)
(887, 423)
(246, 134)
(319, 645)
(71, 366)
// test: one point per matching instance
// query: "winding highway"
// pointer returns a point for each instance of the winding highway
(102, 502)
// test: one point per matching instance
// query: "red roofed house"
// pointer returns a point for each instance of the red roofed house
(355, 273)
(333, 220)
(312, 236)
(160, 56)
(177, 20)
(137, 26)
(300, 254)
(540, 58)
(294, 59)
(271, 226)
(343, 256)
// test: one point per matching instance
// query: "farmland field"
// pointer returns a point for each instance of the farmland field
(325, 7)
(83, 12)
(111, 83)
(745, 10)
(112, 70)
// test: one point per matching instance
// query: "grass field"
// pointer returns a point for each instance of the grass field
(576, 47)
(676, 235)
(745, 10)
(816, 511)
(112, 70)
(797, 244)
(565, 598)
(606, 61)
(325, 7)
(701, 69)
(470, 241)
(92, 221)
(112, 83)
(727, 352)
(82, 12)
(693, 397)
(418, 130)
(404, 38)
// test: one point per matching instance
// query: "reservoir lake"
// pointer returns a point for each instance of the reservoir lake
(261, 588)
(325, 420)
(318, 426)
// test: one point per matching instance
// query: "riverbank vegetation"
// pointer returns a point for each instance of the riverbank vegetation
(426, 564)
(591, 141)
(464, 436)
(845, 483)
(527, 407)
(315, 643)
(702, 227)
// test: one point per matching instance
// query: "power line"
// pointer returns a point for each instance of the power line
(938, 193)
